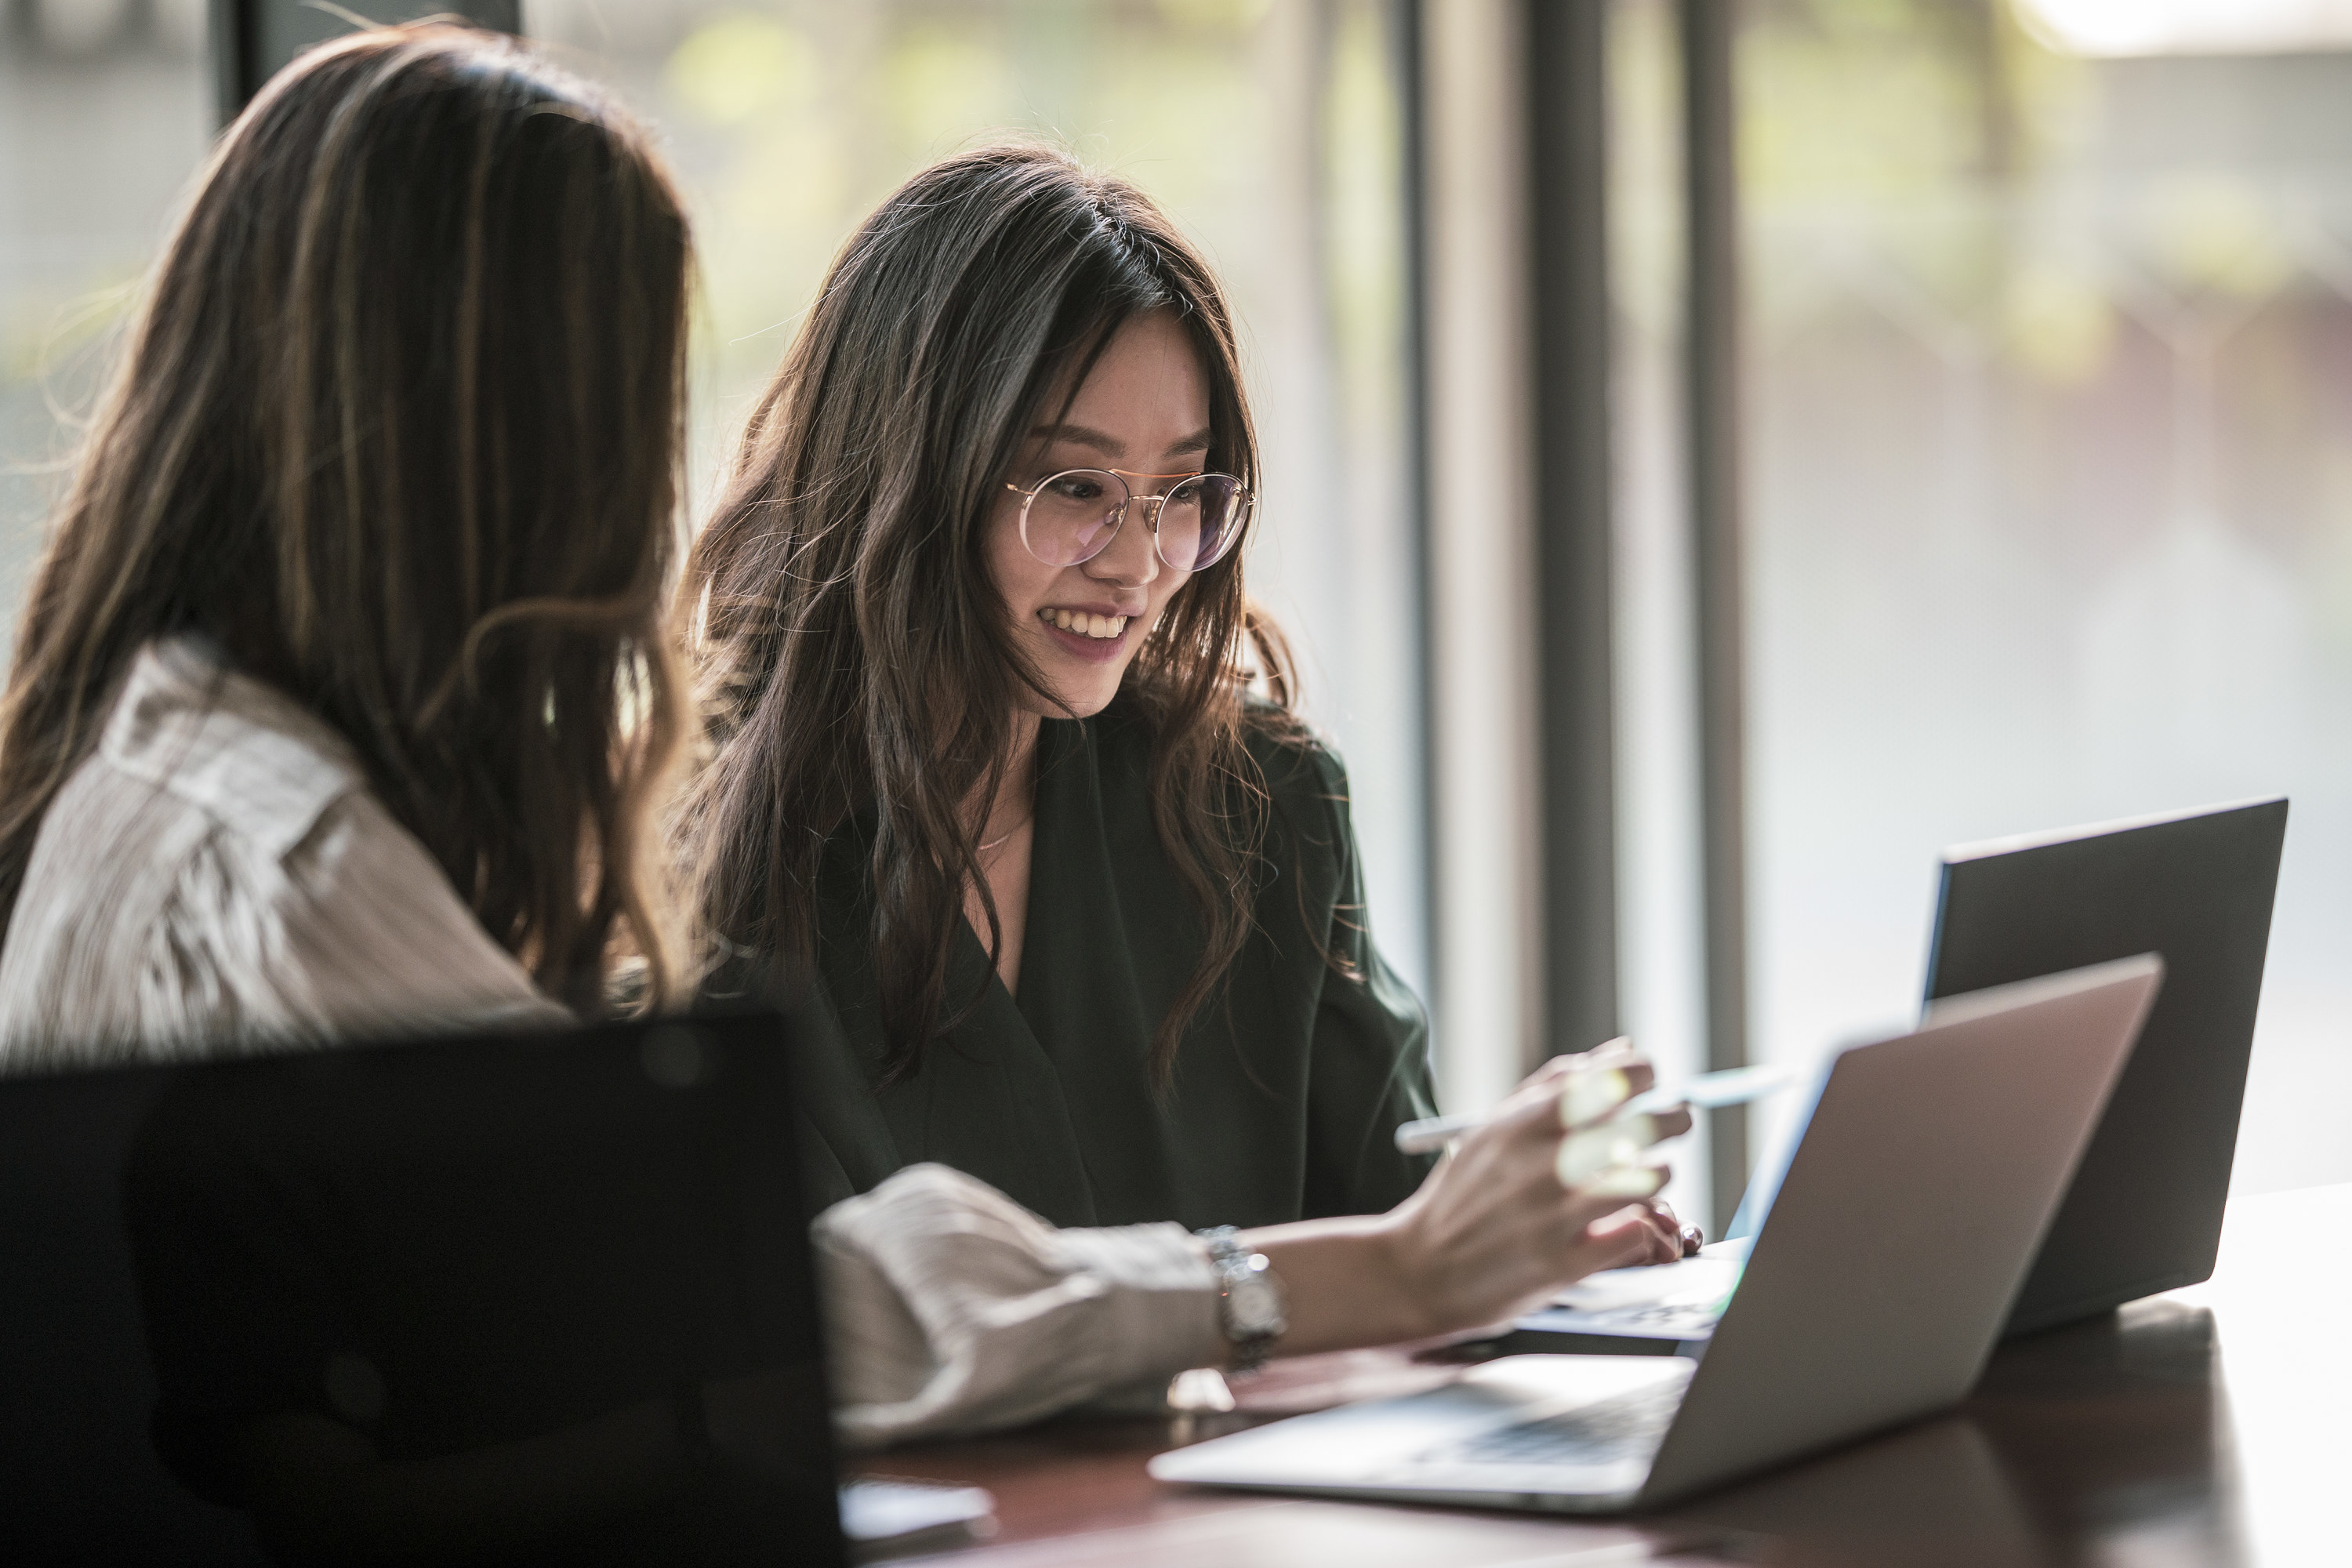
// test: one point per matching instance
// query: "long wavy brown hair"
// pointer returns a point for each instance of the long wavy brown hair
(398, 428)
(857, 657)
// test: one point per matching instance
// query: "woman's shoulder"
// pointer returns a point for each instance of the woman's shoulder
(200, 779)
(217, 873)
(243, 756)
(1300, 766)
(387, 945)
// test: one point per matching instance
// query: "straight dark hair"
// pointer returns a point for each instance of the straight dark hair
(398, 429)
(856, 656)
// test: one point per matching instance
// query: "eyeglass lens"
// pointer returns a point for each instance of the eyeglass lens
(1073, 515)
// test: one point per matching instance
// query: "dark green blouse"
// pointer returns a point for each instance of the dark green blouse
(1288, 1085)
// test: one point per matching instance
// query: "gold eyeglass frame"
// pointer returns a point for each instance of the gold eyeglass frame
(1243, 497)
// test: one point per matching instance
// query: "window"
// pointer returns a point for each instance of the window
(2050, 511)
(106, 107)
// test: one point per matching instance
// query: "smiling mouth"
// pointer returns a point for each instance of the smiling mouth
(1079, 623)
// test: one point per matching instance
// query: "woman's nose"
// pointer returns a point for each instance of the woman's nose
(1131, 558)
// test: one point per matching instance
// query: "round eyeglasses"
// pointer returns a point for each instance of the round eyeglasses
(1074, 515)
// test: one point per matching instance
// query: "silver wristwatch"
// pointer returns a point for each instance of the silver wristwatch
(1249, 1301)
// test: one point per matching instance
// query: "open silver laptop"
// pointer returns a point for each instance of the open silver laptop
(1931, 1165)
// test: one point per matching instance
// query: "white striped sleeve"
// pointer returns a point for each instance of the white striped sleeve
(949, 1308)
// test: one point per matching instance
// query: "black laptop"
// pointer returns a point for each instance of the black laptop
(549, 1297)
(2142, 1212)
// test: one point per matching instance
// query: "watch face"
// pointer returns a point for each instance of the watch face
(1256, 1306)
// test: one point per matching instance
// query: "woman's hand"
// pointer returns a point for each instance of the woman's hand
(1494, 1230)
(1670, 1239)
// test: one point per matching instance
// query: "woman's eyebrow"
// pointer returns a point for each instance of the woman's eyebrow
(1114, 448)
(1109, 446)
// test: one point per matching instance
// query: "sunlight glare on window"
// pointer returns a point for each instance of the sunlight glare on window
(2121, 28)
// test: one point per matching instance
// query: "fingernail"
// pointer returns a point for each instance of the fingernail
(1598, 1147)
(1591, 1093)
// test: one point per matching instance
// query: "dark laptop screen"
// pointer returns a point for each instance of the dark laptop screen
(514, 1298)
(2143, 1211)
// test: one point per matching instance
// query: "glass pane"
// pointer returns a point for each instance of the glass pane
(2050, 514)
(106, 107)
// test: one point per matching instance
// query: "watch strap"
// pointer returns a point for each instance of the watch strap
(1241, 1269)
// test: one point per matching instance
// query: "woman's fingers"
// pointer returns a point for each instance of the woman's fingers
(1687, 1238)
(1619, 1054)
(1550, 1073)
(1665, 1237)
(1594, 1091)
(1529, 1114)
(1616, 1140)
(1607, 1053)
(1672, 1123)
(1499, 1232)
(1669, 1240)
(1525, 1204)
(1625, 1235)
(1597, 1142)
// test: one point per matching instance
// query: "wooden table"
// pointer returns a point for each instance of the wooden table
(2211, 1425)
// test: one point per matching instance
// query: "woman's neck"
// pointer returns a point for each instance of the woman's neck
(1015, 798)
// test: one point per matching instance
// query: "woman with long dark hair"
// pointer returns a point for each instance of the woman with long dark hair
(344, 684)
(339, 707)
(1006, 761)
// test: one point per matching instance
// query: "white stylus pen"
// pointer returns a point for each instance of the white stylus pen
(1733, 1085)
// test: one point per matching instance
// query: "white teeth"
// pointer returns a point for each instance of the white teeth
(1101, 627)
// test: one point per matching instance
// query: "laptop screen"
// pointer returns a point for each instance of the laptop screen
(517, 1298)
(2143, 1211)
(1772, 1168)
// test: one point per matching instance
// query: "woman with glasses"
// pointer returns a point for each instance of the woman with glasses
(1006, 762)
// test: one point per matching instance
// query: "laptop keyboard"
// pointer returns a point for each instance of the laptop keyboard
(1628, 1426)
(1660, 1316)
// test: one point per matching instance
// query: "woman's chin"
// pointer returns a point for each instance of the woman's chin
(1075, 704)
(1082, 672)
(1081, 697)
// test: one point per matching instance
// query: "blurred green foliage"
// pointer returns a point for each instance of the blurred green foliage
(1931, 160)
(795, 116)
